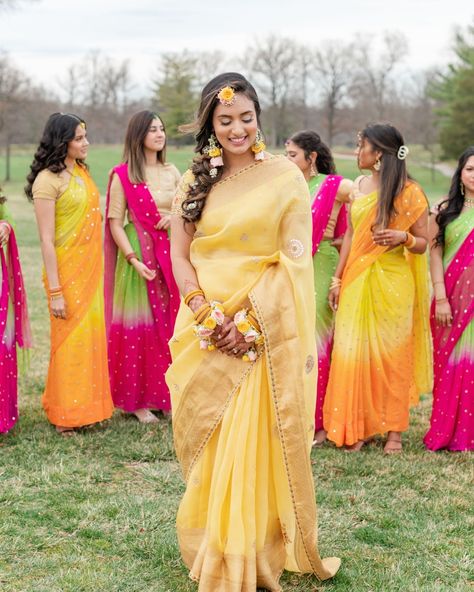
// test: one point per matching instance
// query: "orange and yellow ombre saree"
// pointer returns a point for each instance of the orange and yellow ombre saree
(381, 360)
(243, 431)
(77, 389)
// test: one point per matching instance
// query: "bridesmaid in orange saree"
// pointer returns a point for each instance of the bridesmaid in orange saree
(381, 359)
(67, 210)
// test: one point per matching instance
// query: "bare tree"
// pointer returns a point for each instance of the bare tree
(374, 80)
(271, 63)
(13, 90)
(332, 77)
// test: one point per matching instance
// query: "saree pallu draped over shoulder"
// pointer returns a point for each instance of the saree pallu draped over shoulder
(77, 390)
(243, 431)
(381, 359)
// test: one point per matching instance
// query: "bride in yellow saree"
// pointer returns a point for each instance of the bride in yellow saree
(241, 235)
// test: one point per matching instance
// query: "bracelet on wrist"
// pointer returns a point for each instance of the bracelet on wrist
(410, 241)
(203, 329)
(335, 283)
(441, 300)
(202, 312)
(247, 324)
(191, 295)
(130, 256)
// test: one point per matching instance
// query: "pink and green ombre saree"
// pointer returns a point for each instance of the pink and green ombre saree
(14, 326)
(452, 418)
(325, 259)
(140, 314)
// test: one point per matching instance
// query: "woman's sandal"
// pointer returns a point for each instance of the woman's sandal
(319, 438)
(393, 446)
(66, 432)
(145, 416)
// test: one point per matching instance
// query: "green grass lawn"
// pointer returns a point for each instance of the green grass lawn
(97, 512)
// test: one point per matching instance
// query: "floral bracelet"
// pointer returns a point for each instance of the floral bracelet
(205, 329)
(246, 322)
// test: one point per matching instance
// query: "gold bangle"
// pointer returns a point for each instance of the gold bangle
(191, 295)
(335, 283)
(202, 314)
(253, 321)
(410, 242)
(130, 256)
(441, 300)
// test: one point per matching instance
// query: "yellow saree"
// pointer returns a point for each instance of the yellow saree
(243, 431)
(77, 389)
(381, 359)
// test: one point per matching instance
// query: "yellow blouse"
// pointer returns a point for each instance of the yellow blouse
(161, 180)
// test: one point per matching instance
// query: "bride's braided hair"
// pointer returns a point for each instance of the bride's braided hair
(197, 193)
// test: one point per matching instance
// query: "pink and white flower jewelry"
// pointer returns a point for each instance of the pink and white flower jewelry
(206, 328)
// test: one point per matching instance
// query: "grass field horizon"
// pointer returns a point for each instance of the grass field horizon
(97, 512)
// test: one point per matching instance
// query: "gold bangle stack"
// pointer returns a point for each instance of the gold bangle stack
(190, 295)
(130, 256)
(55, 293)
(410, 242)
(253, 320)
(335, 283)
(202, 313)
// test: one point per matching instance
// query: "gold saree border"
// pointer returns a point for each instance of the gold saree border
(285, 367)
(202, 405)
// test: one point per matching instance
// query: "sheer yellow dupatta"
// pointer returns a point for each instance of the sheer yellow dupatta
(252, 248)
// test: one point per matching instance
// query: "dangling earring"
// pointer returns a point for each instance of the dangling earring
(215, 154)
(461, 187)
(312, 171)
(377, 164)
(259, 146)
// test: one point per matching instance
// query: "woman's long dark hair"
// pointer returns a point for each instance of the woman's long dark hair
(393, 171)
(52, 150)
(451, 207)
(133, 151)
(202, 127)
(310, 141)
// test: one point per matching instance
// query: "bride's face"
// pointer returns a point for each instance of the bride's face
(235, 126)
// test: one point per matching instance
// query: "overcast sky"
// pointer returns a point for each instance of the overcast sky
(46, 36)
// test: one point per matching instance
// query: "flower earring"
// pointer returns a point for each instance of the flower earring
(377, 164)
(259, 146)
(215, 154)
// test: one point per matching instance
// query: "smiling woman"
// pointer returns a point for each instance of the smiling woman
(243, 375)
(141, 294)
(67, 211)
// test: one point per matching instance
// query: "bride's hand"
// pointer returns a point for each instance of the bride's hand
(229, 340)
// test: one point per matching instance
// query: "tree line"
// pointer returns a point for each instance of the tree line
(334, 87)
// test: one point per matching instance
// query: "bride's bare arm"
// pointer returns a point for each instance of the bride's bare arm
(183, 271)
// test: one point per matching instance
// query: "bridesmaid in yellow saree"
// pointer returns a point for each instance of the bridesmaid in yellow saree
(381, 360)
(243, 388)
(66, 199)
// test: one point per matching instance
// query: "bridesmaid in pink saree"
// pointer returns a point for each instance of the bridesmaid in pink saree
(452, 313)
(14, 323)
(141, 297)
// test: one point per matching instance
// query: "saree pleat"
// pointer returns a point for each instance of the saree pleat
(77, 389)
(452, 423)
(243, 431)
(382, 315)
